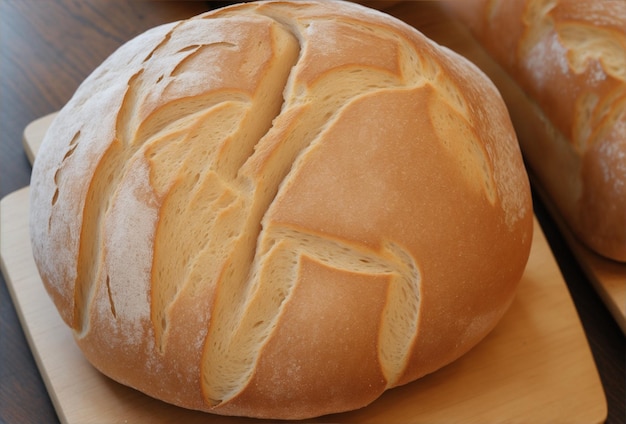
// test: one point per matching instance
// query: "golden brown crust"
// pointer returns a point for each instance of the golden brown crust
(287, 209)
(568, 57)
(332, 314)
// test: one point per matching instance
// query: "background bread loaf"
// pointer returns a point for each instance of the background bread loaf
(280, 209)
(569, 58)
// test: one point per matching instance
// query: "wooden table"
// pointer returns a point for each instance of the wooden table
(46, 49)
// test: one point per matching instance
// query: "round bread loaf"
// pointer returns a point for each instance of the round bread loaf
(280, 209)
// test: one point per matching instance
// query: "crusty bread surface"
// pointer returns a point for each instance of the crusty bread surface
(280, 210)
(568, 56)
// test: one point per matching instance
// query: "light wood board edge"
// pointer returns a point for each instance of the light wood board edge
(608, 277)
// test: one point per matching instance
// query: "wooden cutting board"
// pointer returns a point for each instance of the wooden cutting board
(536, 366)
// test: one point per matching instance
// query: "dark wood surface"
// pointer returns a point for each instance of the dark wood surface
(46, 49)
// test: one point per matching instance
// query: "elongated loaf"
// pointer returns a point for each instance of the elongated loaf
(569, 57)
(280, 209)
